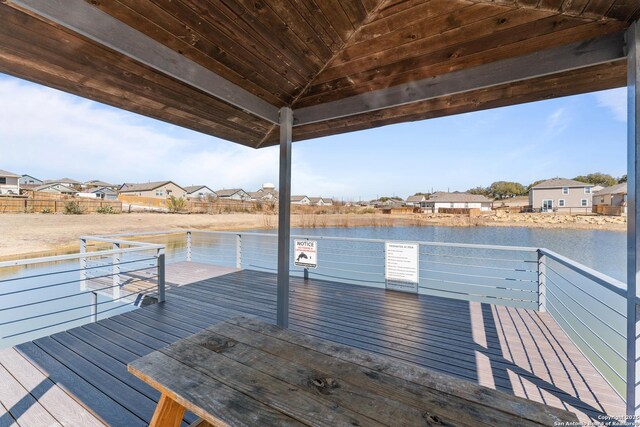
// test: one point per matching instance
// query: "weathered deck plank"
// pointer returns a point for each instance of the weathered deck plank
(522, 352)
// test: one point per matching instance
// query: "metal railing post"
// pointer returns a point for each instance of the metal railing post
(83, 265)
(239, 251)
(94, 307)
(188, 245)
(161, 278)
(115, 258)
(542, 281)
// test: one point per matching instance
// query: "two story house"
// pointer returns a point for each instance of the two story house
(561, 195)
(9, 183)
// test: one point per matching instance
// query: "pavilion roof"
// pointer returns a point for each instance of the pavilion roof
(306, 54)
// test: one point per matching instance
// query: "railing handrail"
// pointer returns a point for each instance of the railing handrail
(614, 285)
(67, 257)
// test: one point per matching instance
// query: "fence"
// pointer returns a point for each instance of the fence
(610, 210)
(29, 205)
(588, 305)
(41, 296)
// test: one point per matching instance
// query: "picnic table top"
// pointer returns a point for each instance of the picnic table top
(247, 372)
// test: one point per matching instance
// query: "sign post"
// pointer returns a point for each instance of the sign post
(401, 266)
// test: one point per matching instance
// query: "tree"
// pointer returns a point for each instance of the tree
(506, 189)
(622, 179)
(427, 195)
(597, 178)
(480, 191)
(175, 204)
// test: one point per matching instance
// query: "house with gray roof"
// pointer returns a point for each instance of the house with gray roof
(456, 200)
(9, 183)
(56, 188)
(561, 195)
(233, 194)
(156, 190)
(199, 192)
(415, 200)
(68, 182)
(97, 183)
(614, 196)
(300, 200)
(30, 180)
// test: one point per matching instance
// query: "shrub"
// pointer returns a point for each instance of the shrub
(106, 210)
(175, 204)
(46, 211)
(73, 208)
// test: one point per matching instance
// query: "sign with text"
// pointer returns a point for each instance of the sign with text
(305, 253)
(401, 266)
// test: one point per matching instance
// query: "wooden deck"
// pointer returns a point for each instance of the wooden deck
(79, 377)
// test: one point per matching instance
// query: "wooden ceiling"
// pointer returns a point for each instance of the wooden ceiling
(307, 52)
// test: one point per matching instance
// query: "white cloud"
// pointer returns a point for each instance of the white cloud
(557, 121)
(50, 134)
(614, 100)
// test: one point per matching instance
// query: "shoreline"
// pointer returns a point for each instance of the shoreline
(31, 235)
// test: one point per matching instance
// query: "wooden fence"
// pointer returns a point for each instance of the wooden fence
(460, 211)
(609, 210)
(47, 205)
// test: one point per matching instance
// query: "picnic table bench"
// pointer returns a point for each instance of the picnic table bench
(245, 372)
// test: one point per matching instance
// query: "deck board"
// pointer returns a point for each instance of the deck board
(522, 352)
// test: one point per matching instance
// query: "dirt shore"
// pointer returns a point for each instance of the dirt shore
(38, 233)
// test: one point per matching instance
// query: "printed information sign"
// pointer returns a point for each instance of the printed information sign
(305, 253)
(401, 266)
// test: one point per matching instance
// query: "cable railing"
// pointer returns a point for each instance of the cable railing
(588, 305)
(111, 271)
(41, 296)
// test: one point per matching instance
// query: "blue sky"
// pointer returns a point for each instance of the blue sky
(50, 134)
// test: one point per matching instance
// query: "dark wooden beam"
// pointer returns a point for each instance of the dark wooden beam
(89, 21)
(547, 62)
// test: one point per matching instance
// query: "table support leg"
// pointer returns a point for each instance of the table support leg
(169, 413)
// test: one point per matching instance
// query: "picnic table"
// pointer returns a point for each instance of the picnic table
(245, 372)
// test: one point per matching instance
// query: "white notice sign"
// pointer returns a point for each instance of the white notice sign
(305, 253)
(401, 266)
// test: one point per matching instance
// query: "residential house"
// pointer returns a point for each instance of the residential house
(233, 194)
(263, 196)
(156, 190)
(300, 200)
(29, 180)
(104, 193)
(67, 182)
(320, 201)
(56, 188)
(561, 195)
(199, 192)
(96, 183)
(456, 200)
(415, 200)
(9, 183)
(611, 197)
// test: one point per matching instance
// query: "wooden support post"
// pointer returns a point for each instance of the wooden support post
(633, 220)
(284, 217)
(169, 413)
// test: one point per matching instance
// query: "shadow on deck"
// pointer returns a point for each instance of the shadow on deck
(519, 351)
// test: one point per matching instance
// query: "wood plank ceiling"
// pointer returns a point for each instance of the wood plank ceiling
(307, 52)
